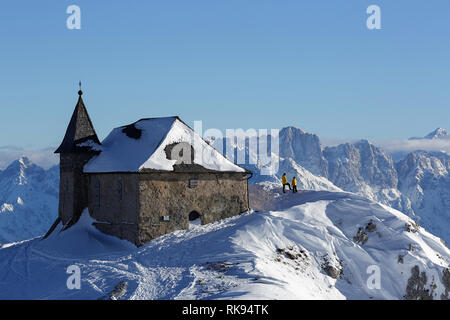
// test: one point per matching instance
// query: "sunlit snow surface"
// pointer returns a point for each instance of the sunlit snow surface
(236, 258)
(121, 153)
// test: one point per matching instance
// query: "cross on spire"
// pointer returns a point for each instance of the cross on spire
(80, 92)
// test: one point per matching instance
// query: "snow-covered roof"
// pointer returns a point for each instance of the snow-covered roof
(142, 145)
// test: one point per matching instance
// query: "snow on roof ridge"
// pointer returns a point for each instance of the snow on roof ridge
(158, 159)
(145, 119)
(141, 145)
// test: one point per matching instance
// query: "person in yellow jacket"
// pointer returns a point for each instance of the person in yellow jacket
(285, 182)
(294, 185)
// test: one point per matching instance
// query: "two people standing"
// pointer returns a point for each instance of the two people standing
(286, 183)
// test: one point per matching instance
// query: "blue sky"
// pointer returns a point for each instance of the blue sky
(232, 64)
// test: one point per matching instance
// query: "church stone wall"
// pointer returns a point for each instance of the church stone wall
(140, 207)
(166, 199)
(73, 186)
(113, 202)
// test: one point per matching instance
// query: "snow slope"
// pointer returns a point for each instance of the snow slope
(303, 249)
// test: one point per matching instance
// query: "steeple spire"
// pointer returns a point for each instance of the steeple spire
(79, 130)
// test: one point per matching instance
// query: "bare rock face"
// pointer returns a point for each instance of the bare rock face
(416, 287)
(412, 227)
(305, 148)
(351, 165)
(424, 175)
(446, 281)
(371, 226)
(332, 271)
(332, 266)
(293, 256)
(361, 237)
(293, 253)
(119, 291)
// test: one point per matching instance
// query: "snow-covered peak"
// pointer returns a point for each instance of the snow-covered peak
(439, 133)
(20, 171)
(28, 200)
(25, 162)
(364, 142)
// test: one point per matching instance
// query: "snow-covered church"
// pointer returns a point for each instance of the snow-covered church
(145, 179)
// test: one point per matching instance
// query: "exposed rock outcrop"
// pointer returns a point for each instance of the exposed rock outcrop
(371, 226)
(446, 281)
(119, 291)
(416, 287)
(361, 237)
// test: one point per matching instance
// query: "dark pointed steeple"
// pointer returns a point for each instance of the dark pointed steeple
(80, 130)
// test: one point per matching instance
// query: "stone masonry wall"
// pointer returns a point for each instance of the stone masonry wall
(73, 186)
(113, 202)
(216, 196)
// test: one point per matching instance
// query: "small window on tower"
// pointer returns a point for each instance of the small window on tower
(65, 185)
(119, 188)
(97, 193)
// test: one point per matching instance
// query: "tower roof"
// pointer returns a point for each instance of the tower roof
(80, 133)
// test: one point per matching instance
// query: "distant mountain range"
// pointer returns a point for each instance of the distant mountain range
(418, 184)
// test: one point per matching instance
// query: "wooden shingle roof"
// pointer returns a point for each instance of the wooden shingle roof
(79, 131)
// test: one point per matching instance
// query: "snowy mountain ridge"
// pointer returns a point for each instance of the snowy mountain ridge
(313, 245)
(28, 200)
(365, 169)
(310, 245)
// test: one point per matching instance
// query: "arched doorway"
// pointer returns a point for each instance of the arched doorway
(193, 215)
(194, 218)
